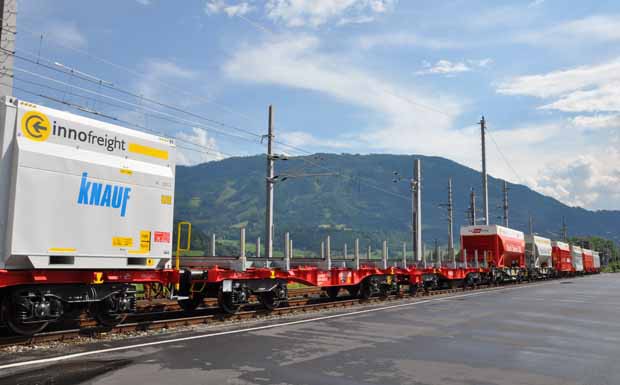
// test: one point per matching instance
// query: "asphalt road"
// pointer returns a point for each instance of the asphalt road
(555, 333)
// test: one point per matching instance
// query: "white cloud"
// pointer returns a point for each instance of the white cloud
(314, 13)
(444, 67)
(204, 148)
(570, 175)
(584, 181)
(403, 40)
(144, 2)
(66, 33)
(535, 3)
(596, 121)
(591, 29)
(356, 20)
(448, 68)
(400, 116)
(157, 72)
(304, 140)
(582, 89)
(218, 6)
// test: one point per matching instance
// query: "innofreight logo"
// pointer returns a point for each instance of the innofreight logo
(36, 126)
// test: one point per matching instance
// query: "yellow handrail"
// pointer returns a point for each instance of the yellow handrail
(179, 248)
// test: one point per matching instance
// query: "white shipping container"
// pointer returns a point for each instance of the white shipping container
(597, 260)
(541, 249)
(83, 193)
(577, 254)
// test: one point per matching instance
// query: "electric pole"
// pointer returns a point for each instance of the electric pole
(472, 207)
(7, 43)
(564, 230)
(413, 216)
(531, 225)
(485, 189)
(8, 10)
(269, 183)
(505, 205)
(450, 221)
(418, 211)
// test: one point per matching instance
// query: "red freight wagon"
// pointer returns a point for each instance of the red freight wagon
(503, 248)
(562, 258)
(588, 261)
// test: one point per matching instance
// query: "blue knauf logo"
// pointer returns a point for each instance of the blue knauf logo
(103, 195)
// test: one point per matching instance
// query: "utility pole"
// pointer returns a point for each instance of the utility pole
(472, 207)
(7, 43)
(270, 181)
(413, 216)
(450, 221)
(8, 9)
(485, 188)
(418, 211)
(564, 230)
(531, 225)
(505, 205)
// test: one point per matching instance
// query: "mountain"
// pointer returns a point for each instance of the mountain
(360, 200)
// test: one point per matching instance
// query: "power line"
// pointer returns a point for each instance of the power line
(100, 82)
(85, 77)
(504, 157)
(108, 85)
(203, 148)
(20, 79)
(405, 99)
(178, 119)
(138, 74)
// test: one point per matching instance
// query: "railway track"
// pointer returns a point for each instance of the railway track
(174, 318)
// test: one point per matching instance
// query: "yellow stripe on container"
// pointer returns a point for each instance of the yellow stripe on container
(148, 151)
(62, 250)
(139, 252)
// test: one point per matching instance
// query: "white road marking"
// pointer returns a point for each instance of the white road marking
(256, 328)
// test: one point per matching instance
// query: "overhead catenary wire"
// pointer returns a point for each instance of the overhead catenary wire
(202, 148)
(505, 159)
(100, 82)
(20, 79)
(83, 76)
(110, 86)
(139, 74)
(134, 105)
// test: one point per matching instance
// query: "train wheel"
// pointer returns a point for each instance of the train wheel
(366, 291)
(225, 300)
(269, 300)
(9, 313)
(332, 292)
(189, 305)
(413, 289)
(105, 316)
(109, 320)
(353, 291)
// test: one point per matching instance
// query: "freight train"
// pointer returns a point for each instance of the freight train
(86, 215)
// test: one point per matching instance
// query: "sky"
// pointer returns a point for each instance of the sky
(349, 76)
